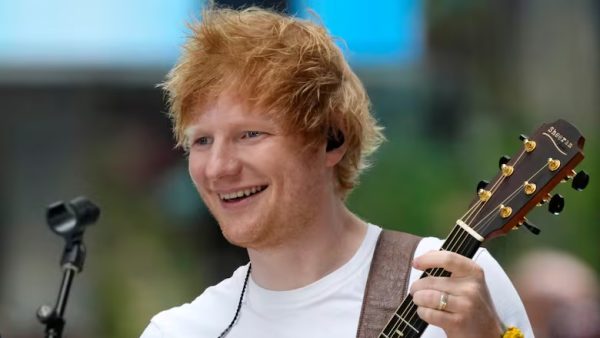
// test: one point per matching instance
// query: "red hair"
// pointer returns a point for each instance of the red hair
(290, 68)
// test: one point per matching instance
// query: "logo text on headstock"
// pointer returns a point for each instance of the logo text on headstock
(554, 134)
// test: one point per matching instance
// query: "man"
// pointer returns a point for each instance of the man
(278, 129)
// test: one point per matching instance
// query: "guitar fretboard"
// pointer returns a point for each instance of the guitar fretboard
(405, 322)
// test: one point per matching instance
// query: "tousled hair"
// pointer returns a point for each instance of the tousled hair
(288, 67)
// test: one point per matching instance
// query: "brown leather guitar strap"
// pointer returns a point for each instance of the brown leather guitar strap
(387, 282)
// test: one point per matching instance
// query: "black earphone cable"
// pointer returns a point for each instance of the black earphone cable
(237, 311)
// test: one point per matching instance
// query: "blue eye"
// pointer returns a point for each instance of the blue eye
(203, 140)
(251, 134)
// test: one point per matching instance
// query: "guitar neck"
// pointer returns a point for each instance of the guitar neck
(405, 322)
(544, 160)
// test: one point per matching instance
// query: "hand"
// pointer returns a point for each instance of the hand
(469, 310)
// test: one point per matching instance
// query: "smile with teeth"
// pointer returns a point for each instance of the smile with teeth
(238, 195)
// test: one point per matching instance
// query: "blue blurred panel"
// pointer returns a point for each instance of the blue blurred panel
(93, 32)
(376, 32)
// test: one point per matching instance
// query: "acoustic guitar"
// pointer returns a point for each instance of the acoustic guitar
(546, 159)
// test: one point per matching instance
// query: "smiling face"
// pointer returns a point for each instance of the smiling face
(262, 184)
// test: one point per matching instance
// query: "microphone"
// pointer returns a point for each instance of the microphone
(71, 218)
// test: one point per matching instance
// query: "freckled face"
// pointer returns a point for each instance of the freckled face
(257, 181)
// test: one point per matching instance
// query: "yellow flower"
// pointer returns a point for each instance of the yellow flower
(513, 332)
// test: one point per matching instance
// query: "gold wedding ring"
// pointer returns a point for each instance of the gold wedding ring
(443, 302)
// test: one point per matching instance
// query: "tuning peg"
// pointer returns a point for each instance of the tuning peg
(531, 227)
(568, 177)
(481, 185)
(503, 160)
(580, 181)
(523, 137)
(556, 204)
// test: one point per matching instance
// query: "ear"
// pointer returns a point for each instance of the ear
(335, 148)
(335, 139)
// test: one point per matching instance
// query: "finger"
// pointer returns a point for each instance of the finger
(461, 295)
(436, 300)
(456, 264)
(464, 287)
(438, 318)
(445, 284)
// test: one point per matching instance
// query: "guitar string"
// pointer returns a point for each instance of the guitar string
(510, 196)
(480, 224)
(403, 315)
(491, 213)
(477, 205)
(438, 271)
(402, 320)
(460, 239)
(493, 189)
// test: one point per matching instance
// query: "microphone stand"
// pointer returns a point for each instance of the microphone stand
(69, 221)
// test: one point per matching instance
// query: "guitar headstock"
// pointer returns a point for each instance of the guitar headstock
(544, 160)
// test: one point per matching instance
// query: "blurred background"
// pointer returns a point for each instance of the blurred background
(453, 82)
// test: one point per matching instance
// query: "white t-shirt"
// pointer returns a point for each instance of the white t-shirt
(329, 307)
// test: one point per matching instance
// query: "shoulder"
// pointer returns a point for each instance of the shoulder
(205, 316)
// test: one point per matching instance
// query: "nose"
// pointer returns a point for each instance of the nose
(222, 162)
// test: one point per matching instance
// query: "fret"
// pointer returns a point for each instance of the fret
(405, 322)
(461, 242)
